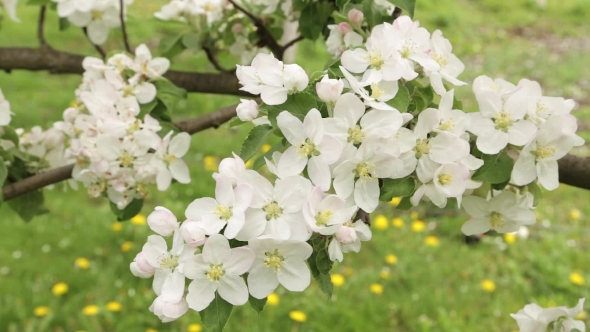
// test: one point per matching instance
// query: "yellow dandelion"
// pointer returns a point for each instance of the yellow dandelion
(114, 306)
(488, 285)
(210, 163)
(273, 299)
(126, 246)
(376, 289)
(195, 328)
(41, 311)
(575, 214)
(397, 222)
(59, 289)
(582, 315)
(249, 163)
(117, 227)
(418, 226)
(265, 148)
(384, 274)
(509, 238)
(337, 279)
(82, 263)
(381, 222)
(414, 215)
(391, 259)
(151, 330)
(138, 220)
(90, 310)
(298, 316)
(432, 241)
(577, 279)
(395, 201)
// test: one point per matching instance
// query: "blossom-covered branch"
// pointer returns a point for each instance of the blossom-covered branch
(61, 62)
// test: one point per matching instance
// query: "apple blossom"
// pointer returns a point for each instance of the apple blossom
(329, 89)
(533, 318)
(324, 215)
(162, 221)
(167, 159)
(348, 238)
(449, 65)
(247, 110)
(167, 310)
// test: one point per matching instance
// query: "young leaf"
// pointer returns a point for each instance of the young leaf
(171, 46)
(407, 5)
(191, 41)
(401, 99)
(495, 170)
(323, 262)
(256, 304)
(405, 204)
(28, 205)
(129, 211)
(166, 86)
(397, 188)
(298, 104)
(313, 267)
(268, 155)
(313, 19)
(325, 282)
(254, 141)
(216, 315)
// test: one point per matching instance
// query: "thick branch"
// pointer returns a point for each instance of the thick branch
(38, 181)
(575, 171)
(59, 62)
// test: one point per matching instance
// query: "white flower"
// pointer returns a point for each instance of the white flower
(141, 268)
(232, 168)
(324, 215)
(168, 311)
(103, 16)
(162, 221)
(276, 212)
(169, 265)
(381, 92)
(533, 318)
(443, 119)
(440, 181)
(500, 123)
(148, 66)
(348, 238)
(310, 146)
(501, 213)
(5, 113)
(10, 8)
(342, 37)
(192, 233)
(413, 44)
(168, 160)
(281, 173)
(539, 158)
(172, 10)
(278, 261)
(484, 83)
(295, 78)
(540, 108)
(359, 176)
(329, 89)
(247, 110)
(450, 65)
(218, 269)
(226, 209)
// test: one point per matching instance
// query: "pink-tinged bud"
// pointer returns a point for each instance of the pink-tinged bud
(70, 114)
(141, 268)
(192, 234)
(247, 110)
(355, 16)
(162, 221)
(329, 89)
(346, 235)
(344, 28)
(237, 28)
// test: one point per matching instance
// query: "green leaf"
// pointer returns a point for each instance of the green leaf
(405, 204)
(171, 46)
(323, 261)
(298, 104)
(10, 134)
(3, 174)
(28, 205)
(64, 23)
(401, 99)
(313, 18)
(166, 128)
(495, 170)
(268, 155)
(147, 108)
(216, 315)
(129, 211)
(191, 41)
(397, 188)
(407, 5)
(256, 304)
(254, 141)
(373, 15)
(313, 267)
(325, 282)
(166, 86)
(534, 189)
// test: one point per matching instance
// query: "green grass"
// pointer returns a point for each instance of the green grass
(429, 289)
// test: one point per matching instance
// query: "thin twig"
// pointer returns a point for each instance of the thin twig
(123, 28)
(292, 42)
(41, 26)
(214, 61)
(266, 38)
(97, 47)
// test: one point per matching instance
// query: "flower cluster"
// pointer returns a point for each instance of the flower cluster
(48, 146)
(533, 318)
(116, 152)
(96, 16)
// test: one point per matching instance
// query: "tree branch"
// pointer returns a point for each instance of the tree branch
(575, 171)
(292, 42)
(214, 61)
(60, 62)
(40, 180)
(123, 28)
(99, 48)
(41, 26)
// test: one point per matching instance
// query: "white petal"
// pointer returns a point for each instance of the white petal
(476, 226)
(233, 289)
(179, 145)
(216, 249)
(173, 287)
(294, 275)
(366, 194)
(179, 171)
(201, 293)
(262, 281)
(240, 262)
(199, 207)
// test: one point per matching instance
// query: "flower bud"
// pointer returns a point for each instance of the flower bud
(355, 16)
(162, 221)
(141, 268)
(192, 234)
(346, 235)
(232, 168)
(247, 110)
(70, 114)
(329, 89)
(168, 311)
(344, 28)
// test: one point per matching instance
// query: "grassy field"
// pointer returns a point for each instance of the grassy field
(68, 270)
